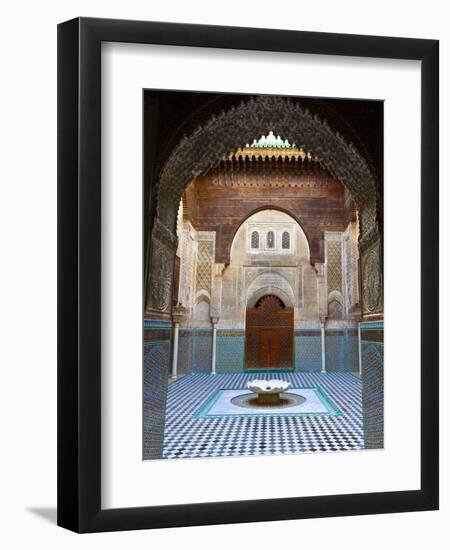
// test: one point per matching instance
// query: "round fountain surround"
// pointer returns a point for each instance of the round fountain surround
(268, 391)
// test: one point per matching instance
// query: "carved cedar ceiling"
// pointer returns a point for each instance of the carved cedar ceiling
(242, 184)
(206, 147)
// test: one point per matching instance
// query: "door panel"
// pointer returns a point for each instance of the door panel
(269, 349)
(269, 335)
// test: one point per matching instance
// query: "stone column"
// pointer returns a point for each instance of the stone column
(177, 315)
(216, 289)
(214, 321)
(216, 306)
(359, 350)
(322, 334)
(321, 290)
(323, 308)
(346, 271)
(176, 328)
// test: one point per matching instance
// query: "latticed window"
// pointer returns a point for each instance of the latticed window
(255, 239)
(286, 240)
(270, 239)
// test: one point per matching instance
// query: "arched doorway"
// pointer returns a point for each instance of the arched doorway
(194, 155)
(269, 335)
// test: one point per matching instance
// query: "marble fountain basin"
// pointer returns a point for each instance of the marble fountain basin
(268, 391)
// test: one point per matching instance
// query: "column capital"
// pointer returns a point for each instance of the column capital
(214, 319)
(178, 313)
(218, 269)
(320, 269)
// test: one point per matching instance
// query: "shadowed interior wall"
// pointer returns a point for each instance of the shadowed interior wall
(372, 351)
(157, 336)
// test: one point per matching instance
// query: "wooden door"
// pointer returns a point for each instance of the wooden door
(269, 335)
(269, 348)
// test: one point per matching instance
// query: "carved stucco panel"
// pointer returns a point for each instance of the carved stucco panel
(161, 269)
(372, 280)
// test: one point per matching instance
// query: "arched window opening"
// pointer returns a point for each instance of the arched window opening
(286, 240)
(270, 239)
(255, 239)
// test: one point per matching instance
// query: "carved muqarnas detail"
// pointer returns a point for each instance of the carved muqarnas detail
(372, 284)
(207, 146)
(161, 277)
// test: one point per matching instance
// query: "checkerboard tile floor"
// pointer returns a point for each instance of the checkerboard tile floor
(188, 437)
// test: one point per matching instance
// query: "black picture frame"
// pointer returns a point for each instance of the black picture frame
(79, 274)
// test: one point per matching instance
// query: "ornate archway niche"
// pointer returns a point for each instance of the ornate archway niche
(256, 295)
(250, 213)
(229, 131)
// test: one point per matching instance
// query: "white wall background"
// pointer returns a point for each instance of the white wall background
(28, 274)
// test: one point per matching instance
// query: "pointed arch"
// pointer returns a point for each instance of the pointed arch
(206, 147)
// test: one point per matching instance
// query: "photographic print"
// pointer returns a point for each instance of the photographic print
(263, 275)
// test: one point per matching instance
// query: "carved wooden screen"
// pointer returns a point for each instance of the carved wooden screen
(269, 335)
